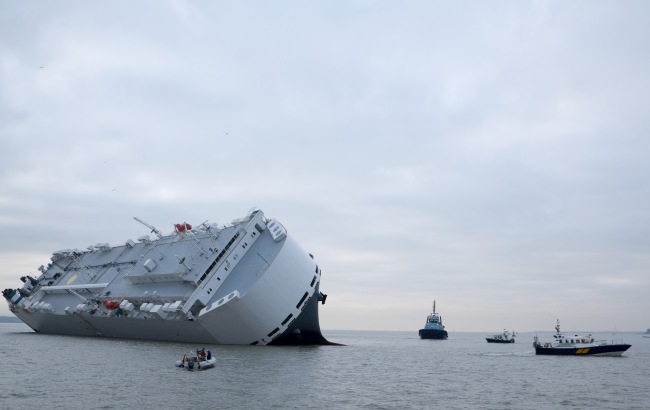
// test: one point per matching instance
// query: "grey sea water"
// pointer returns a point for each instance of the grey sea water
(375, 370)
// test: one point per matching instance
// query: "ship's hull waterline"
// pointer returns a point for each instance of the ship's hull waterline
(436, 334)
(246, 283)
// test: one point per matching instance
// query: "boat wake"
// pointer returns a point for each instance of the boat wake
(505, 354)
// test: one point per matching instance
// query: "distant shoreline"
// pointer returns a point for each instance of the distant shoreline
(9, 319)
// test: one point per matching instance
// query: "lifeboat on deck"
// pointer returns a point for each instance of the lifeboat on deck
(183, 227)
(111, 304)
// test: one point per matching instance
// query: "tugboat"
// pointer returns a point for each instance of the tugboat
(578, 345)
(505, 337)
(433, 328)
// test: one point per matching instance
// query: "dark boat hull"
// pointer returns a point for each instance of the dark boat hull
(606, 350)
(490, 340)
(433, 334)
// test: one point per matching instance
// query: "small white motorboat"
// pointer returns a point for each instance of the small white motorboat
(199, 360)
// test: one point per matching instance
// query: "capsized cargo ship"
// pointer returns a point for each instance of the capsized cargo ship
(245, 283)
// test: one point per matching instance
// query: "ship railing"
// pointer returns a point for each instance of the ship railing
(605, 342)
(87, 287)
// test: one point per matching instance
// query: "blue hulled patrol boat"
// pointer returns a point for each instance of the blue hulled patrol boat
(565, 345)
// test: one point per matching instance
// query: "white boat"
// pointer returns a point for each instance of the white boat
(247, 282)
(505, 337)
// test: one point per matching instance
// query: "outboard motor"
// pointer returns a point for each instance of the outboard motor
(190, 363)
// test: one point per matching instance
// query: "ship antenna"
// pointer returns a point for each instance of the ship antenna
(153, 228)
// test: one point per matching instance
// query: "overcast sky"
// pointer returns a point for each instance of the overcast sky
(492, 156)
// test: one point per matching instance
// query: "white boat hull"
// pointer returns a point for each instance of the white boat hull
(200, 365)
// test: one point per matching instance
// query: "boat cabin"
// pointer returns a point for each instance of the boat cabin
(561, 339)
(433, 318)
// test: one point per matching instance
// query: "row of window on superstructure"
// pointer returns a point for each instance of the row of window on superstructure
(576, 341)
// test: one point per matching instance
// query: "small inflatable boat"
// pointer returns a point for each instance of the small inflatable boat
(197, 361)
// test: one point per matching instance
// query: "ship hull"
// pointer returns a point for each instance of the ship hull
(259, 288)
(123, 328)
(433, 334)
(490, 340)
(305, 330)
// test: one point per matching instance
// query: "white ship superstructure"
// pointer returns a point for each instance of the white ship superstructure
(245, 283)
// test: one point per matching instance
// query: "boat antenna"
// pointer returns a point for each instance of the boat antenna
(153, 228)
(557, 326)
